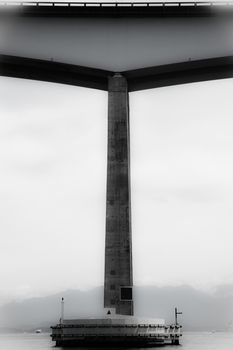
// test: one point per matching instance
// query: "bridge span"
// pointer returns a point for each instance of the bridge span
(138, 79)
(152, 44)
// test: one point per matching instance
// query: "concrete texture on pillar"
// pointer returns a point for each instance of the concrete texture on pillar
(118, 243)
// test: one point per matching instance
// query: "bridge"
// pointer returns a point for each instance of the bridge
(117, 47)
(152, 44)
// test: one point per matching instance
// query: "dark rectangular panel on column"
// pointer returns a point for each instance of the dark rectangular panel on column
(118, 244)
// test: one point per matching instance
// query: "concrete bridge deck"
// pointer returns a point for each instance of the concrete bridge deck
(152, 44)
(119, 9)
(139, 79)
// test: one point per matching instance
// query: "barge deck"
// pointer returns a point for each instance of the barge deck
(127, 331)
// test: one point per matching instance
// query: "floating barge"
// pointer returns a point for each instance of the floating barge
(117, 331)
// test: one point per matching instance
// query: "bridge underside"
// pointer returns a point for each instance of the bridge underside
(120, 9)
(138, 79)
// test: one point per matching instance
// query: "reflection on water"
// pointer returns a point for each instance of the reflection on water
(189, 341)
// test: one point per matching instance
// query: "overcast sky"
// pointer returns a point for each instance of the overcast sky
(53, 183)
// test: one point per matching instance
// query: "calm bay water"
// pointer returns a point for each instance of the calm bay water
(190, 341)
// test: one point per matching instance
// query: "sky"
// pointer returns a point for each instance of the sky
(53, 142)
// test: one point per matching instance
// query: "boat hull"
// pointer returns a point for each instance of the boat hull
(115, 332)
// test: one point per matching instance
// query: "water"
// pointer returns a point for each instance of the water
(189, 341)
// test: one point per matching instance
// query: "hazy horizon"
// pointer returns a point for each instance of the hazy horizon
(213, 290)
(201, 310)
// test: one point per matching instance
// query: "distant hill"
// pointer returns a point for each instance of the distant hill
(201, 311)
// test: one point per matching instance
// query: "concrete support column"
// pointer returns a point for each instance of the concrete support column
(118, 242)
